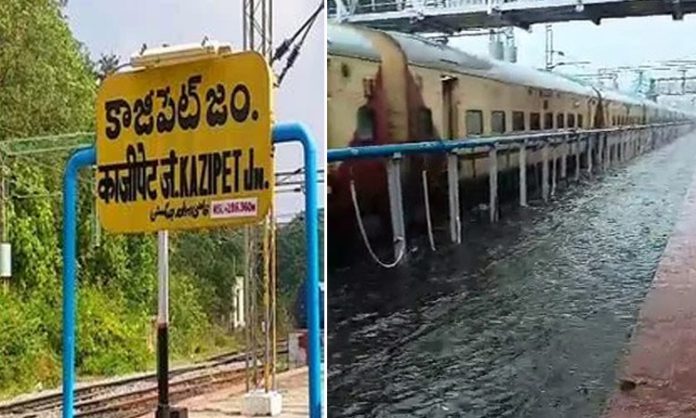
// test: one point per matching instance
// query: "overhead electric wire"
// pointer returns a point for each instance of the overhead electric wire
(287, 44)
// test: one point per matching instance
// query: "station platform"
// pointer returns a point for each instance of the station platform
(293, 385)
(658, 376)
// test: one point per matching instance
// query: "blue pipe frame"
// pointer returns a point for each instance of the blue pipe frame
(81, 158)
(445, 146)
(85, 157)
(296, 132)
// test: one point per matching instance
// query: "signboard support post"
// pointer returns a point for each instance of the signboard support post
(295, 132)
(81, 158)
(163, 325)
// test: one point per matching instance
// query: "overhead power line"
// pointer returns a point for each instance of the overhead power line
(293, 49)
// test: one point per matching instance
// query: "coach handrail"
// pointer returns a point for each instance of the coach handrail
(440, 146)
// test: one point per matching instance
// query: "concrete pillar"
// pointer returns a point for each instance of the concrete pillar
(637, 138)
(636, 143)
(545, 172)
(602, 153)
(617, 149)
(523, 173)
(577, 157)
(453, 186)
(643, 141)
(564, 156)
(396, 205)
(554, 169)
(589, 154)
(493, 184)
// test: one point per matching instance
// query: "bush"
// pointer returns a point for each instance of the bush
(26, 360)
(111, 339)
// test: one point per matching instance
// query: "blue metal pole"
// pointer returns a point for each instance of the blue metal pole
(296, 132)
(79, 159)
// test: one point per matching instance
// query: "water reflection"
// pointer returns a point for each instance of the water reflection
(527, 318)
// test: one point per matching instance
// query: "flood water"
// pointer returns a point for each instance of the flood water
(528, 318)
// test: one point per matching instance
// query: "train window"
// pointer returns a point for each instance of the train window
(474, 122)
(548, 121)
(571, 120)
(560, 121)
(498, 122)
(518, 121)
(365, 124)
(613, 120)
(534, 121)
(580, 124)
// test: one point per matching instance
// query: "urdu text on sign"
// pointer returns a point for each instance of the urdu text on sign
(185, 146)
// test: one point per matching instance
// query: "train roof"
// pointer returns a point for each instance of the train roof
(424, 52)
(350, 40)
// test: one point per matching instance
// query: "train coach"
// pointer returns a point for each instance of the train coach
(386, 87)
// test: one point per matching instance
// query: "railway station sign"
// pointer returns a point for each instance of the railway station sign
(185, 145)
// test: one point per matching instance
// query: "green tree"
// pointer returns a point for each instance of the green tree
(48, 86)
(45, 87)
(292, 255)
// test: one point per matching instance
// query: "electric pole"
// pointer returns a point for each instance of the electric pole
(260, 243)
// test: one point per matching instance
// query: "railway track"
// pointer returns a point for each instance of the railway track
(135, 395)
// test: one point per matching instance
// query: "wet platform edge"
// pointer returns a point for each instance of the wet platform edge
(657, 377)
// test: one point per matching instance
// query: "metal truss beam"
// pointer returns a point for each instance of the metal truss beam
(458, 15)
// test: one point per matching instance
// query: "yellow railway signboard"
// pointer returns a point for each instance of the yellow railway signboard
(186, 145)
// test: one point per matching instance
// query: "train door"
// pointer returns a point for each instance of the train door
(449, 107)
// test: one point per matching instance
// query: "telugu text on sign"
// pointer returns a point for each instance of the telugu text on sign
(185, 146)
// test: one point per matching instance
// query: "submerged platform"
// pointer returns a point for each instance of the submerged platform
(658, 377)
(292, 385)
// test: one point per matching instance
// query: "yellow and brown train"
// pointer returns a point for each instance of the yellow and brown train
(386, 87)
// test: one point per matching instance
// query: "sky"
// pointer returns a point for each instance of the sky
(122, 27)
(616, 42)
